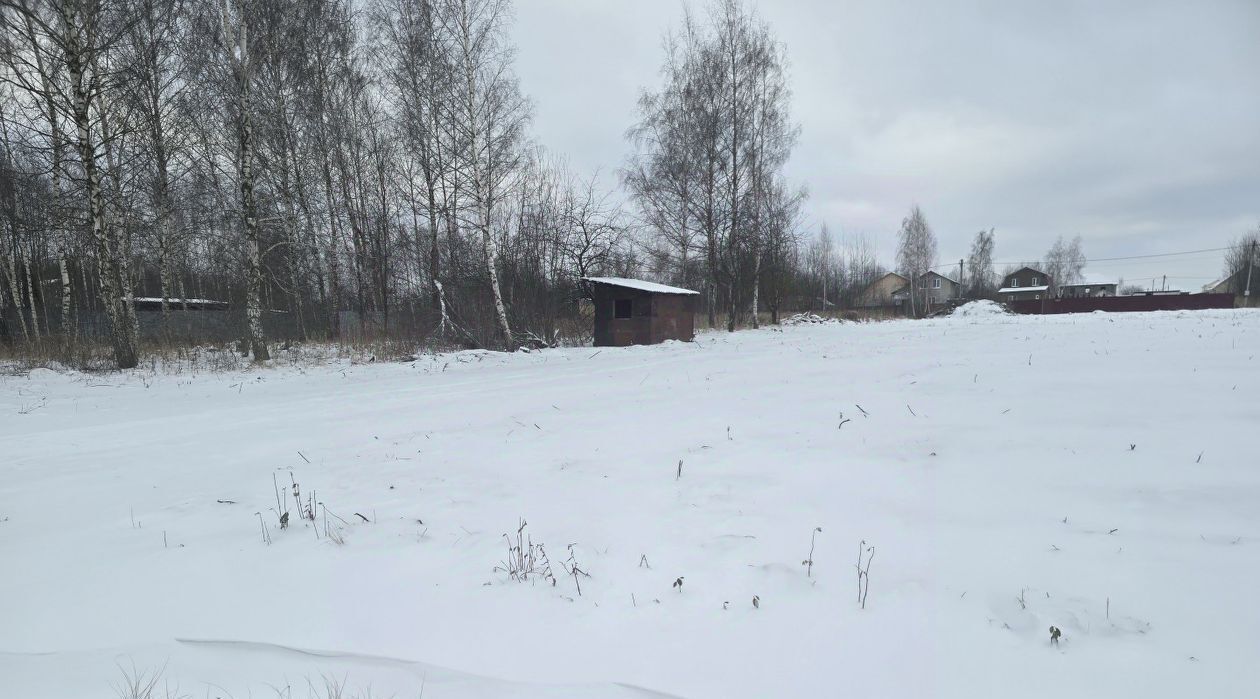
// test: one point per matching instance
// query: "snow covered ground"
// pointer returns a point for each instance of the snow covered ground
(1099, 473)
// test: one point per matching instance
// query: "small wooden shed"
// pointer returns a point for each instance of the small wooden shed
(635, 312)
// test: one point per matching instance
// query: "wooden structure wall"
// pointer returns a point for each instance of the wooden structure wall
(653, 317)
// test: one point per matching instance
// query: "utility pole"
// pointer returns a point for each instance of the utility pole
(824, 289)
(1251, 262)
(1164, 285)
(960, 280)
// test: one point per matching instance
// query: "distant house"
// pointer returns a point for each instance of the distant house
(932, 287)
(1025, 284)
(635, 312)
(931, 290)
(879, 293)
(1236, 284)
(1093, 287)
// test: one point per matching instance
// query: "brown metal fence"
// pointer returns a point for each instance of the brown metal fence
(1124, 304)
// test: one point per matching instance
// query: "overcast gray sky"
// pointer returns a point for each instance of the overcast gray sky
(1135, 124)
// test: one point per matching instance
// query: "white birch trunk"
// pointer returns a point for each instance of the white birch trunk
(121, 239)
(110, 271)
(16, 295)
(499, 309)
(30, 298)
(482, 194)
(164, 276)
(441, 297)
(68, 328)
(236, 46)
(756, 289)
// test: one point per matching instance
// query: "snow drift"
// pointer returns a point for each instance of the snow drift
(980, 309)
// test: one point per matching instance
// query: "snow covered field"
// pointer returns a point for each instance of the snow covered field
(1097, 473)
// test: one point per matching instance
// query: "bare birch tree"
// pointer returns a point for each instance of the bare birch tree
(155, 77)
(74, 39)
(238, 53)
(1064, 264)
(710, 148)
(420, 84)
(916, 252)
(979, 281)
(490, 117)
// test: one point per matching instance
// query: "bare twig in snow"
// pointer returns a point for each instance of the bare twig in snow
(262, 523)
(863, 571)
(809, 562)
(571, 566)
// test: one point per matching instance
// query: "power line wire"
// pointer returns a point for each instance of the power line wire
(1109, 259)
(1163, 254)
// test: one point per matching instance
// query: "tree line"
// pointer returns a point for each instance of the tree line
(332, 163)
